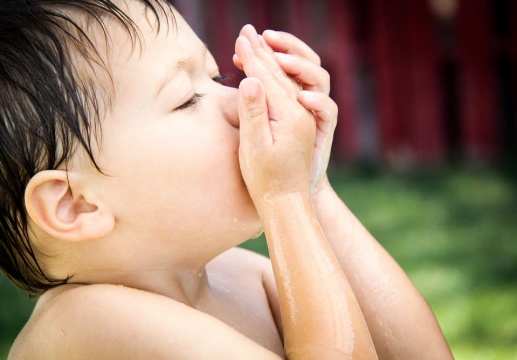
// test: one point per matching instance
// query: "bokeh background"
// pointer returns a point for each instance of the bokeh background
(425, 148)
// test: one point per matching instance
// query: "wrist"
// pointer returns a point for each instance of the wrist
(322, 184)
(327, 204)
(286, 201)
(324, 194)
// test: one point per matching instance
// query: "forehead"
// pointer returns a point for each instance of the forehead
(146, 53)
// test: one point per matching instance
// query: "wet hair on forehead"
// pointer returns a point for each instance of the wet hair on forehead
(90, 31)
(51, 102)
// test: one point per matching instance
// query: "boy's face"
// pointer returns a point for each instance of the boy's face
(171, 156)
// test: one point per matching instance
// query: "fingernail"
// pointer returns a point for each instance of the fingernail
(246, 45)
(244, 39)
(251, 27)
(250, 88)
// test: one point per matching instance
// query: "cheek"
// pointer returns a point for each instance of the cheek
(207, 157)
(182, 163)
(179, 182)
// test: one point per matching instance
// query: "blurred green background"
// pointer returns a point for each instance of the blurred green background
(454, 231)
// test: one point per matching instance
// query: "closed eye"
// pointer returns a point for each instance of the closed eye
(191, 102)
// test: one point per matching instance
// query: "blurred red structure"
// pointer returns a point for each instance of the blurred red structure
(477, 75)
(416, 81)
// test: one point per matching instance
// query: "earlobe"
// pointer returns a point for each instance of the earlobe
(64, 213)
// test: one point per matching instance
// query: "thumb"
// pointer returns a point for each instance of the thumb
(253, 113)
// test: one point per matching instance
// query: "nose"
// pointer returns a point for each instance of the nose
(229, 106)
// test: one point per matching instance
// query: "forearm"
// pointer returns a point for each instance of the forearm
(320, 314)
(400, 321)
(321, 317)
(398, 317)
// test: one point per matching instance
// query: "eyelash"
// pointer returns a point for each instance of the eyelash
(191, 102)
(197, 97)
(221, 79)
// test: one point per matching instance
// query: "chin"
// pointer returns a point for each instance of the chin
(258, 233)
(246, 232)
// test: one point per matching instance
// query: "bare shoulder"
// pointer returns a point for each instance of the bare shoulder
(243, 259)
(114, 322)
(246, 267)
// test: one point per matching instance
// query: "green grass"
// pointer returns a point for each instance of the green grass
(453, 230)
(15, 307)
(455, 234)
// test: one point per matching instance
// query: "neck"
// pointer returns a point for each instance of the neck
(184, 283)
(188, 286)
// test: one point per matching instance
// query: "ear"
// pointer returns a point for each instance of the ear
(64, 213)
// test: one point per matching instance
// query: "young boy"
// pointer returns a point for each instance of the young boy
(129, 174)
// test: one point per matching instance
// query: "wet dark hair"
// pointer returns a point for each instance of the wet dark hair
(49, 106)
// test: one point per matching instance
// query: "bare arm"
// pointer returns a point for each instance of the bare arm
(320, 315)
(400, 321)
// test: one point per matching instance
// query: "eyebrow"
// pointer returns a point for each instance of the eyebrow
(181, 65)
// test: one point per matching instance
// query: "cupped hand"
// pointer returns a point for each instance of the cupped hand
(303, 66)
(277, 132)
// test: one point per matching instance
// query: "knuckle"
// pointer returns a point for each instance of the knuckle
(271, 77)
(255, 110)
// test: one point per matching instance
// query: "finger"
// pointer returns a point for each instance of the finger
(265, 45)
(325, 111)
(266, 55)
(261, 50)
(253, 114)
(278, 86)
(287, 43)
(311, 76)
(268, 49)
(324, 108)
(237, 62)
(250, 32)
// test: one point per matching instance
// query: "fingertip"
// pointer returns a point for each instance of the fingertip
(250, 88)
(312, 100)
(324, 107)
(242, 46)
(249, 31)
(245, 28)
(251, 27)
(243, 40)
(237, 62)
(271, 34)
(309, 97)
(281, 57)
